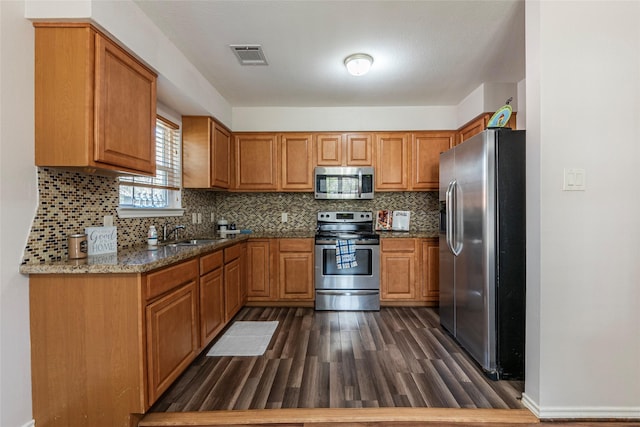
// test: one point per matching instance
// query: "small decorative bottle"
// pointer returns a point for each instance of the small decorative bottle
(152, 238)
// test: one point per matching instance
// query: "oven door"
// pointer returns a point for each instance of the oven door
(366, 275)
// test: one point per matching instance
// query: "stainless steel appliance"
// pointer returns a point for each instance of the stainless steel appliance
(343, 182)
(482, 249)
(351, 288)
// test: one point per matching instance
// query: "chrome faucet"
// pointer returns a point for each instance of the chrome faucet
(166, 234)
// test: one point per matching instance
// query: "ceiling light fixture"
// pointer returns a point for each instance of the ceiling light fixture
(358, 64)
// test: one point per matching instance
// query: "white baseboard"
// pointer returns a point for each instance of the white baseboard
(576, 413)
(31, 423)
(530, 405)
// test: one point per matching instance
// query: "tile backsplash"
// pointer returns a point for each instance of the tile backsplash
(263, 211)
(70, 201)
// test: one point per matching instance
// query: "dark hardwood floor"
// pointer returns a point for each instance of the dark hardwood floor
(393, 368)
(397, 357)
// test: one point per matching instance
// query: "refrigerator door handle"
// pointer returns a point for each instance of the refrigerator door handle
(455, 243)
(449, 214)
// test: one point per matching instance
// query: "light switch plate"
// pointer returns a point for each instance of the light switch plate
(575, 179)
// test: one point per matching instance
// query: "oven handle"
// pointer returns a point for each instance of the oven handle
(333, 246)
(346, 293)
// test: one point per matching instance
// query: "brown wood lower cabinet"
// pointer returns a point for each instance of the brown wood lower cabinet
(172, 336)
(409, 271)
(430, 271)
(280, 271)
(295, 269)
(232, 282)
(398, 269)
(212, 316)
(259, 270)
(87, 353)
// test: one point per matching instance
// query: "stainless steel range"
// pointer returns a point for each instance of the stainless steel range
(347, 262)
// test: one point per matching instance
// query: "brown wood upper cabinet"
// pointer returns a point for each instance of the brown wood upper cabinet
(206, 153)
(392, 161)
(297, 159)
(95, 104)
(344, 149)
(425, 158)
(410, 161)
(479, 124)
(256, 161)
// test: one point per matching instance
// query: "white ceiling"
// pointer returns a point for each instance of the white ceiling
(425, 52)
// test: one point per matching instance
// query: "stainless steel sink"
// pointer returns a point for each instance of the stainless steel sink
(192, 242)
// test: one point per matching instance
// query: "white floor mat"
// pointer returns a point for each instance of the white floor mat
(244, 338)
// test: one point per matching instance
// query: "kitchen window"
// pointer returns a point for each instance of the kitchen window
(142, 196)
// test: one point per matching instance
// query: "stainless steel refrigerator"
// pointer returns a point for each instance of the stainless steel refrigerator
(482, 249)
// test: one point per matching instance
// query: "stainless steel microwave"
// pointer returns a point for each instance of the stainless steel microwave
(343, 182)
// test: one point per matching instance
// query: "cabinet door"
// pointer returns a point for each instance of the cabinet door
(472, 128)
(172, 337)
(330, 149)
(212, 315)
(232, 291)
(295, 269)
(479, 124)
(258, 271)
(430, 271)
(392, 161)
(125, 110)
(398, 269)
(196, 151)
(296, 154)
(425, 160)
(243, 273)
(256, 162)
(221, 161)
(359, 149)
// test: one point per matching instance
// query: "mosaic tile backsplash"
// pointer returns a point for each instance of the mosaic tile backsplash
(71, 201)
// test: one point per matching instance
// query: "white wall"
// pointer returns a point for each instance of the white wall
(18, 200)
(583, 111)
(487, 97)
(343, 119)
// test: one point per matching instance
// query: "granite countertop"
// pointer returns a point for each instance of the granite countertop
(414, 234)
(141, 260)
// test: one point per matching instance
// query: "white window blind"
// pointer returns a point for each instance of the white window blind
(155, 191)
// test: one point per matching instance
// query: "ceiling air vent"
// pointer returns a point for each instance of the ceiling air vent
(249, 54)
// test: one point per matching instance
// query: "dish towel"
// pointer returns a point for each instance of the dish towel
(346, 254)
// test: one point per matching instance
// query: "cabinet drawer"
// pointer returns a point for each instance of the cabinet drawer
(232, 253)
(398, 245)
(210, 262)
(296, 245)
(168, 278)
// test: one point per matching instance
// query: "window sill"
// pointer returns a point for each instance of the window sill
(148, 212)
